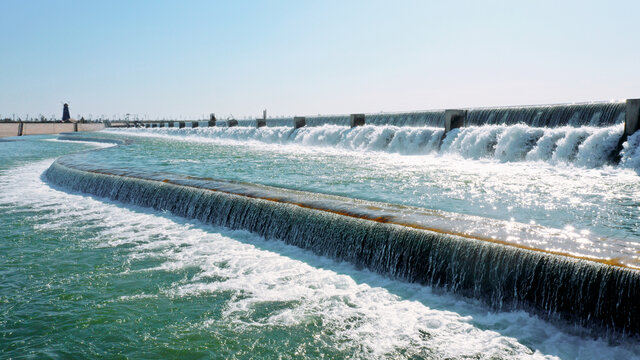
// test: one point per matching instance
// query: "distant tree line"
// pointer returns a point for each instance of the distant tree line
(42, 118)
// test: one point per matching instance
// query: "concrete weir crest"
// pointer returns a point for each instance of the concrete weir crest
(454, 119)
(457, 118)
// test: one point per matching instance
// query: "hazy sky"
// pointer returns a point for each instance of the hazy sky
(171, 58)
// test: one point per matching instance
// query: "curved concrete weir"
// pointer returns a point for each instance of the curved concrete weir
(505, 264)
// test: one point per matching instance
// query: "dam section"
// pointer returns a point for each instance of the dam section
(559, 132)
(509, 265)
(139, 281)
(595, 114)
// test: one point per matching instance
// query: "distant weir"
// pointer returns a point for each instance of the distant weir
(587, 134)
(593, 294)
(589, 147)
(576, 115)
(586, 114)
(598, 114)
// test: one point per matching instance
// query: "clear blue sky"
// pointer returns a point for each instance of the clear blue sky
(171, 58)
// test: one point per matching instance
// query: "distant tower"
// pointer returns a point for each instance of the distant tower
(65, 113)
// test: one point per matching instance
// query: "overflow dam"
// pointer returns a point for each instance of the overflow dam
(581, 277)
(589, 292)
(550, 131)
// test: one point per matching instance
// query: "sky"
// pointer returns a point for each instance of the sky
(186, 59)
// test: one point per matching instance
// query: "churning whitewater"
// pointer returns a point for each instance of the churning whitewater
(513, 237)
(179, 287)
(581, 146)
(587, 292)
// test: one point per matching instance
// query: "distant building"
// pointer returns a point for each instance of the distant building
(65, 113)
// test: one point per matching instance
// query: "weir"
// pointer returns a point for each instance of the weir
(592, 293)
(541, 116)
(585, 146)
(597, 114)
(601, 114)
(589, 114)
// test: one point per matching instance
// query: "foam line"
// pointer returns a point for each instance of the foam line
(588, 293)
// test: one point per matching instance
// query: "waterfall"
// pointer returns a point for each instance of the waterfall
(586, 146)
(417, 118)
(582, 134)
(589, 293)
(592, 114)
(576, 115)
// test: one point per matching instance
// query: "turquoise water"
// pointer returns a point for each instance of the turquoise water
(600, 200)
(85, 277)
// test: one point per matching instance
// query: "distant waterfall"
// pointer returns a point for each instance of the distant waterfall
(586, 146)
(596, 295)
(417, 118)
(576, 115)
(595, 114)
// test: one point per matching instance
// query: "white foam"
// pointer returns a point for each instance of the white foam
(584, 146)
(631, 152)
(370, 314)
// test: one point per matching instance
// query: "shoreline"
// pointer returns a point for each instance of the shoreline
(43, 128)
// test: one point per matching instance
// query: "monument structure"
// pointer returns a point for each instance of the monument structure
(65, 113)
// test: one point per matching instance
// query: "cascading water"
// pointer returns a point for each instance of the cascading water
(583, 146)
(474, 244)
(587, 292)
(558, 115)
(417, 118)
(592, 114)
(584, 134)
